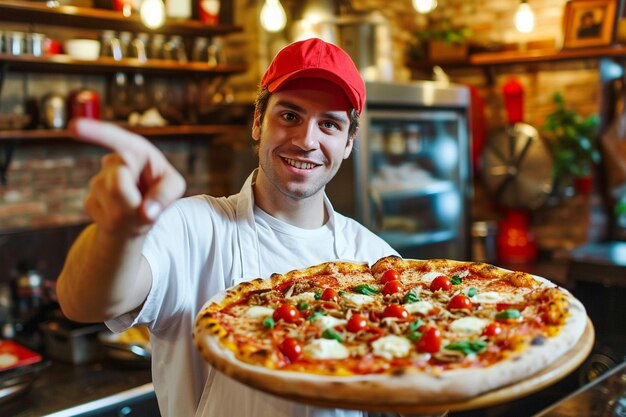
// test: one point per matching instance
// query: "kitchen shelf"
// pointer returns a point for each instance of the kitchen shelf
(545, 55)
(411, 191)
(91, 18)
(150, 132)
(66, 64)
(533, 55)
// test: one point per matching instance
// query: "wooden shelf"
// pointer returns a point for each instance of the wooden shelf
(91, 18)
(66, 64)
(164, 132)
(545, 55)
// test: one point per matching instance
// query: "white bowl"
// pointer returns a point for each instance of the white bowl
(85, 49)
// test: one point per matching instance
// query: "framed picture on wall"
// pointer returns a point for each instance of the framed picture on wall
(589, 23)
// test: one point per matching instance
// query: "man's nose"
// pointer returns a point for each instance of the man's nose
(307, 137)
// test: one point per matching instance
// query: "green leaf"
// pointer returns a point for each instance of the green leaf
(508, 314)
(365, 289)
(302, 305)
(413, 336)
(468, 347)
(410, 297)
(471, 291)
(456, 280)
(316, 314)
(268, 322)
(331, 334)
(416, 324)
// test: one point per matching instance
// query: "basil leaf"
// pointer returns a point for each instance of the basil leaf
(410, 297)
(413, 336)
(268, 322)
(318, 295)
(365, 289)
(302, 305)
(468, 347)
(331, 334)
(416, 324)
(316, 314)
(456, 280)
(509, 313)
(471, 291)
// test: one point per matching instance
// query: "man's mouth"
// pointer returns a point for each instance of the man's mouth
(299, 164)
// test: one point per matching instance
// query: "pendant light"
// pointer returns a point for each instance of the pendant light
(273, 17)
(424, 6)
(152, 13)
(524, 18)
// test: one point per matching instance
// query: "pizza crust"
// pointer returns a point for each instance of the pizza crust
(388, 392)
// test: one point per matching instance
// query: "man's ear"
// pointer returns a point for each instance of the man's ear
(349, 146)
(256, 125)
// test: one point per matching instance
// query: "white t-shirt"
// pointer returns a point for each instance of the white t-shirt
(202, 245)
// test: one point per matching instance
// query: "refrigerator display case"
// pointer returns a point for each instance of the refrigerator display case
(410, 170)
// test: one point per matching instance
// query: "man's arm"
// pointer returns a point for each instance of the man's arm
(105, 275)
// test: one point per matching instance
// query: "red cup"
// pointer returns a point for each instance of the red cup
(84, 103)
(52, 46)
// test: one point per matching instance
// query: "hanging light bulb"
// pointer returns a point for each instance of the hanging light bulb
(152, 13)
(524, 18)
(273, 17)
(424, 6)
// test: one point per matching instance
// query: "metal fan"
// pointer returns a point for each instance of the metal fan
(517, 167)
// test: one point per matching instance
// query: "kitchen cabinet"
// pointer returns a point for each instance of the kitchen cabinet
(70, 18)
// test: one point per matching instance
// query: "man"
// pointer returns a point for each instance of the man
(588, 28)
(148, 261)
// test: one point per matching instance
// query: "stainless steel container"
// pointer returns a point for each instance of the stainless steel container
(54, 111)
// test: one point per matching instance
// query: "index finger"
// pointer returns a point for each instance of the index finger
(134, 149)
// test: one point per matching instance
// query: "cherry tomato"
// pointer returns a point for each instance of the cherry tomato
(291, 348)
(330, 294)
(430, 342)
(356, 322)
(395, 310)
(440, 283)
(460, 301)
(392, 287)
(389, 275)
(286, 312)
(492, 329)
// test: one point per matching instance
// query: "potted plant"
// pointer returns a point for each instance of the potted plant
(571, 139)
(441, 41)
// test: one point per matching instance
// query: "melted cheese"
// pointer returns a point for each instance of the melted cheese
(305, 296)
(391, 347)
(428, 277)
(493, 297)
(325, 349)
(257, 312)
(325, 322)
(358, 299)
(468, 326)
(421, 307)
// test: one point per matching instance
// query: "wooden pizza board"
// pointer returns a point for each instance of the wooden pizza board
(550, 375)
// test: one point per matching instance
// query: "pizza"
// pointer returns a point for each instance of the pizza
(398, 332)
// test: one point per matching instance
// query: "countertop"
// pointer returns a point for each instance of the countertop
(63, 385)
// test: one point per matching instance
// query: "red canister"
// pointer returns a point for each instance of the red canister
(84, 103)
(514, 100)
(209, 11)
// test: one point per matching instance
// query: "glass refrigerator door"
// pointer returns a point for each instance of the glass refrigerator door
(415, 164)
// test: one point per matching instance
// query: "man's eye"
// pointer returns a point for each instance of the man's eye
(289, 117)
(330, 125)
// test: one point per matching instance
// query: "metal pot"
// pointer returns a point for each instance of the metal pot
(53, 111)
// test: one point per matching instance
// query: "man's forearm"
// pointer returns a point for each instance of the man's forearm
(103, 277)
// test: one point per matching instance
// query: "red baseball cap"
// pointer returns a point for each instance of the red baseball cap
(314, 58)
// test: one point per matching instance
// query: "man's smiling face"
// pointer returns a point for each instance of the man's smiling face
(303, 137)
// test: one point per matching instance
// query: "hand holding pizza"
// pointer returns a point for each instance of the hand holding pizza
(135, 183)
